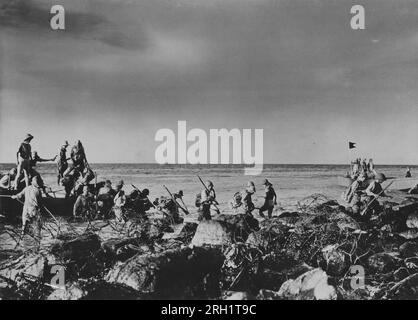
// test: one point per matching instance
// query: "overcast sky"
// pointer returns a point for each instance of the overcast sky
(124, 69)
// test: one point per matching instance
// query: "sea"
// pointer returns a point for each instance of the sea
(293, 183)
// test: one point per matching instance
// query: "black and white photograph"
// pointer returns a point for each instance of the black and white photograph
(215, 150)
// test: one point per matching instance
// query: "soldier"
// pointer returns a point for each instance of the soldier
(23, 155)
(83, 205)
(62, 163)
(247, 197)
(270, 199)
(119, 202)
(207, 198)
(31, 215)
(6, 180)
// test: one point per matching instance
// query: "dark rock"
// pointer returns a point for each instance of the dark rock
(382, 262)
(240, 267)
(411, 264)
(236, 295)
(167, 274)
(273, 276)
(268, 240)
(78, 248)
(123, 249)
(408, 249)
(407, 289)
(265, 294)
(224, 230)
(412, 220)
(312, 285)
(334, 260)
(80, 255)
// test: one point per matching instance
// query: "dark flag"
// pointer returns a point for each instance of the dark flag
(351, 145)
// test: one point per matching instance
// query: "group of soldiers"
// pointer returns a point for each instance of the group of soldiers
(362, 168)
(102, 200)
(25, 177)
(241, 200)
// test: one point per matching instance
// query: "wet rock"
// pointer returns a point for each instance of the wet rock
(272, 276)
(411, 264)
(409, 234)
(183, 232)
(78, 248)
(169, 273)
(268, 240)
(408, 249)
(236, 295)
(265, 294)
(33, 265)
(71, 291)
(224, 230)
(123, 249)
(81, 256)
(152, 230)
(312, 285)
(334, 260)
(412, 220)
(344, 221)
(382, 262)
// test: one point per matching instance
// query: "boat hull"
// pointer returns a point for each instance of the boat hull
(12, 209)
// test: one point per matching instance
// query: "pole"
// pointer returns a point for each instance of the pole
(375, 198)
(172, 197)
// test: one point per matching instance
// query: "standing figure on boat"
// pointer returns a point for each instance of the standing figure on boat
(23, 155)
(78, 157)
(62, 164)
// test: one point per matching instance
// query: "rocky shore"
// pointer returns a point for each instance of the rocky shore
(316, 252)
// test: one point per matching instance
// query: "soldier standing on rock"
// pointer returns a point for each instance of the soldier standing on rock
(270, 199)
(24, 156)
(247, 197)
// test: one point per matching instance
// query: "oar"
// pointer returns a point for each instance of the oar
(214, 200)
(172, 197)
(375, 198)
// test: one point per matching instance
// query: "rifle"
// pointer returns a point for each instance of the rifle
(174, 199)
(375, 198)
(133, 186)
(215, 203)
